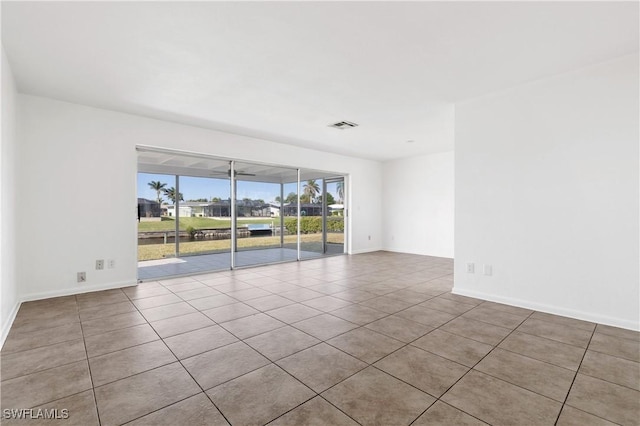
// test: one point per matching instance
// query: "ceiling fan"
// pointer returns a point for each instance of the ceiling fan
(228, 173)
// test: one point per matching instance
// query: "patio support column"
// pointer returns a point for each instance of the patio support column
(234, 242)
(298, 233)
(177, 206)
(281, 215)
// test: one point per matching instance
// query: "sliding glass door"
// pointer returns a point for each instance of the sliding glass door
(199, 213)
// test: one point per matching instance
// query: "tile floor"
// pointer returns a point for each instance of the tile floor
(370, 339)
(157, 269)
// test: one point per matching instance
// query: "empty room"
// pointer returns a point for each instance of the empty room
(320, 213)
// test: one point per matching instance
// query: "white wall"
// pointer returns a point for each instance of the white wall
(84, 159)
(547, 192)
(418, 200)
(8, 283)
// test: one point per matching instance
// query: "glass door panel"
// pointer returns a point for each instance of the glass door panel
(156, 219)
(205, 221)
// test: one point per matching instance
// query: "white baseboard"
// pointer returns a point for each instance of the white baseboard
(394, 250)
(550, 309)
(7, 325)
(75, 290)
(362, 251)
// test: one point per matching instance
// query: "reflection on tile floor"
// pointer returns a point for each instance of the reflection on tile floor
(155, 269)
(372, 339)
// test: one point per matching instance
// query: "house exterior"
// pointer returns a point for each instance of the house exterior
(148, 209)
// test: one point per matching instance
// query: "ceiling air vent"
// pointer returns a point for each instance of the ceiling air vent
(343, 125)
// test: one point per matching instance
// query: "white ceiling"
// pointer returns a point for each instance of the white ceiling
(284, 71)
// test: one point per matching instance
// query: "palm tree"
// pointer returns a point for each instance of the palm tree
(311, 189)
(340, 190)
(158, 187)
(171, 194)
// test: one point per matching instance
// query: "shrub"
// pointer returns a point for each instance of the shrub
(313, 224)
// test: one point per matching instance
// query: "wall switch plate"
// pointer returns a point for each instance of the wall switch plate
(488, 270)
(471, 269)
(99, 264)
(111, 263)
(82, 277)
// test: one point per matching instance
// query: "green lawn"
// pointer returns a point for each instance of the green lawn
(169, 223)
(158, 251)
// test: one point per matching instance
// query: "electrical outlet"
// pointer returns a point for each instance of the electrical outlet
(82, 277)
(488, 270)
(99, 264)
(471, 269)
(111, 263)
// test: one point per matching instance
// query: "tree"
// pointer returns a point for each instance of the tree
(158, 187)
(291, 198)
(330, 199)
(340, 190)
(311, 189)
(215, 200)
(199, 200)
(171, 194)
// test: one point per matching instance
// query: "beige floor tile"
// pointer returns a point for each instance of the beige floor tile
(366, 345)
(18, 341)
(142, 291)
(542, 349)
(321, 366)
(573, 417)
(355, 295)
(155, 301)
(88, 300)
(507, 308)
(399, 328)
(618, 332)
(326, 303)
(112, 341)
(497, 402)
(612, 369)
(223, 364)
(567, 322)
(461, 299)
(426, 316)
(252, 325)
(446, 305)
(127, 362)
(476, 330)
(315, 412)
(615, 346)
(293, 313)
(248, 294)
(386, 304)
(167, 311)
(185, 286)
(211, 302)
(230, 312)
(122, 401)
(495, 317)
(182, 324)
(444, 414)
(198, 341)
(281, 342)
(38, 359)
(324, 326)
(358, 314)
(301, 294)
(553, 331)
(456, 348)
(80, 411)
(52, 319)
(372, 397)
(45, 386)
(268, 303)
(537, 376)
(115, 322)
(197, 410)
(609, 401)
(429, 373)
(410, 296)
(260, 396)
(102, 311)
(198, 293)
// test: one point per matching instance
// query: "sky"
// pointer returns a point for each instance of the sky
(194, 187)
